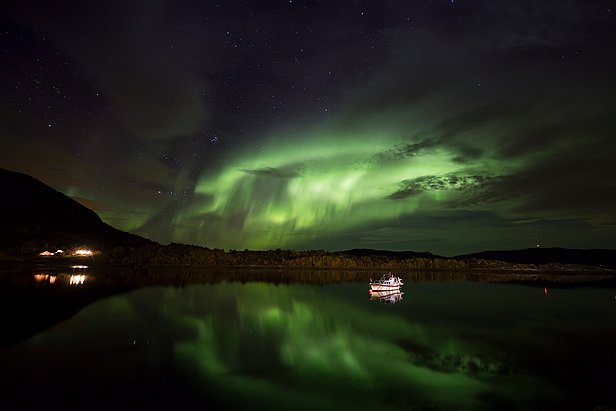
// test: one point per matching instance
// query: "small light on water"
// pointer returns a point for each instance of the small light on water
(40, 277)
(77, 279)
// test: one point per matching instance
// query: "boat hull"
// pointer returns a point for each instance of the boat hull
(384, 287)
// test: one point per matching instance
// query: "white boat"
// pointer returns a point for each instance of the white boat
(387, 283)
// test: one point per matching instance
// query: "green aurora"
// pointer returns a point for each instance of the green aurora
(448, 127)
(334, 187)
(301, 191)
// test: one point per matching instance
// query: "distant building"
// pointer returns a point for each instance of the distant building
(82, 252)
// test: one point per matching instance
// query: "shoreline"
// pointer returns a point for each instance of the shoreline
(149, 273)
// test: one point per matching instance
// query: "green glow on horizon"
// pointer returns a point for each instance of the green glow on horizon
(118, 218)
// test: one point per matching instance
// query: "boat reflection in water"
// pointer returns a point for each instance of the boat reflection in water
(389, 297)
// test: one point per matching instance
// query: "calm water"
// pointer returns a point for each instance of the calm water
(86, 342)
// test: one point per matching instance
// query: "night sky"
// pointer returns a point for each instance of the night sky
(449, 126)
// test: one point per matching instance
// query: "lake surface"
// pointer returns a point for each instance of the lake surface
(88, 341)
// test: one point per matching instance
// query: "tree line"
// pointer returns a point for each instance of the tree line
(187, 255)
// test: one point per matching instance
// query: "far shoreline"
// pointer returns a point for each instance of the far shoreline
(165, 273)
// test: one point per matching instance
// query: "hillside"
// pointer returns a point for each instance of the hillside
(532, 256)
(598, 258)
(34, 215)
(366, 252)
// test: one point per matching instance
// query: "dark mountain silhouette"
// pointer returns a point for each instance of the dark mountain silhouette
(32, 215)
(594, 257)
(400, 255)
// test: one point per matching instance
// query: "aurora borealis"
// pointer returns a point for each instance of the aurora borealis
(448, 126)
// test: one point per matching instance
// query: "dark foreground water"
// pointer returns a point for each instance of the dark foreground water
(81, 343)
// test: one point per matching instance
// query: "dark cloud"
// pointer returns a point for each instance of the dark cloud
(543, 24)
(575, 184)
(408, 150)
(578, 183)
(448, 182)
